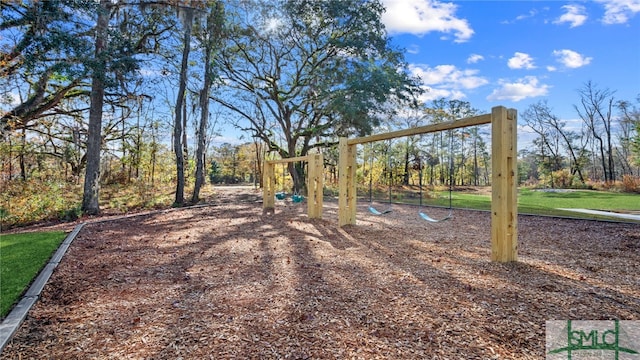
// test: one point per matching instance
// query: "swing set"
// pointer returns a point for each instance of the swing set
(282, 194)
(504, 202)
(504, 210)
(372, 209)
(422, 215)
(450, 215)
(315, 185)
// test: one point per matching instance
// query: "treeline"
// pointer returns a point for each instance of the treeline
(602, 147)
(108, 91)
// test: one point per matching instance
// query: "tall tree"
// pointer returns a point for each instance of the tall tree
(187, 14)
(210, 36)
(51, 64)
(445, 144)
(629, 124)
(301, 72)
(635, 146)
(111, 66)
(596, 111)
(91, 195)
(551, 130)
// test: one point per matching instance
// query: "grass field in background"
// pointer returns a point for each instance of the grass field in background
(22, 256)
(534, 202)
(541, 202)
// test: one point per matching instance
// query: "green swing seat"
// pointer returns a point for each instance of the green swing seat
(430, 219)
(375, 211)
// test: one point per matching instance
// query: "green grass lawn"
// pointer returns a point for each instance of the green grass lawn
(529, 201)
(22, 256)
(540, 202)
(547, 203)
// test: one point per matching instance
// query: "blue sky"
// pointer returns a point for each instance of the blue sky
(515, 53)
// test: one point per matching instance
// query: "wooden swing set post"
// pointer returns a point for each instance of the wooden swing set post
(315, 186)
(504, 192)
(268, 186)
(346, 183)
(315, 183)
(504, 207)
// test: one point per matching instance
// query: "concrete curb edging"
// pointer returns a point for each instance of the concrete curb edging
(15, 318)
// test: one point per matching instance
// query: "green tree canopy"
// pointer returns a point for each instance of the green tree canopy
(302, 72)
(309, 69)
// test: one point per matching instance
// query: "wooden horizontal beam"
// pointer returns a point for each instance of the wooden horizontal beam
(455, 124)
(288, 160)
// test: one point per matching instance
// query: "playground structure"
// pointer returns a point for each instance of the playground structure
(315, 164)
(504, 204)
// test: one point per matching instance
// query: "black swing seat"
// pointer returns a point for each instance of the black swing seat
(375, 211)
(430, 219)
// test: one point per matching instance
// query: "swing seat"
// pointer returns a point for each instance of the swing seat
(430, 219)
(281, 195)
(297, 198)
(374, 211)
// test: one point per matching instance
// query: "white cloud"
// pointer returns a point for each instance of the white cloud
(420, 17)
(551, 68)
(526, 87)
(521, 61)
(575, 16)
(413, 49)
(446, 81)
(571, 59)
(619, 11)
(431, 94)
(448, 76)
(530, 14)
(474, 58)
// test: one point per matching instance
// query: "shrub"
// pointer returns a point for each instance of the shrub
(630, 184)
(562, 179)
(31, 201)
(559, 179)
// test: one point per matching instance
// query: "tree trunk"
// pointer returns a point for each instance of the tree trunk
(23, 145)
(185, 138)
(297, 174)
(202, 131)
(405, 179)
(612, 168)
(476, 172)
(603, 159)
(177, 126)
(259, 162)
(577, 168)
(91, 195)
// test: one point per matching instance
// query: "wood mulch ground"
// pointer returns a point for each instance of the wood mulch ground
(226, 281)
